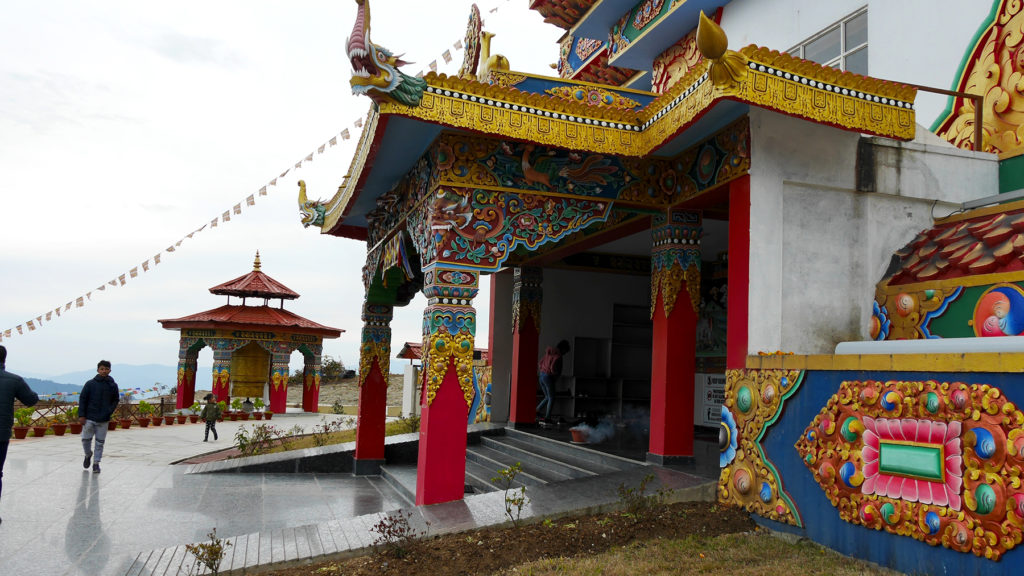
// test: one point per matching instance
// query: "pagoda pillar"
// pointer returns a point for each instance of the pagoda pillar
(449, 329)
(222, 375)
(186, 384)
(311, 384)
(374, 367)
(526, 307)
(675, 271)
(279, 383)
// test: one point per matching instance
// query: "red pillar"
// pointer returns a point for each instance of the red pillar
(675, 289)
(526, 307)
(279, 384)
(311, 388)
(374, 364)
(449, 329)
(737, 307)
(222, 380)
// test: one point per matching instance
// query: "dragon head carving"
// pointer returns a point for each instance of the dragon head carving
(312, 211)
(375, 69)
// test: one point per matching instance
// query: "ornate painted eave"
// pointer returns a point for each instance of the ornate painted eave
(562, 13)
(753, 76)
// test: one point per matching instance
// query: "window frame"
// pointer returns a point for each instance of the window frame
(839, 61)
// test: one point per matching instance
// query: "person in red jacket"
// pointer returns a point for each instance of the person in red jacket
(550, 370)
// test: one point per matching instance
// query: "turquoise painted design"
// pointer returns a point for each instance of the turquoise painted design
(909, 461)
(797, 520)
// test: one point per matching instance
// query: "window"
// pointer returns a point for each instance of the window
(844, 45)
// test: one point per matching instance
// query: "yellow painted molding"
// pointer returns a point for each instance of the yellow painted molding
(981, 212)
(1006, 362)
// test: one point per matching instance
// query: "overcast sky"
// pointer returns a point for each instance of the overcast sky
(126, 125)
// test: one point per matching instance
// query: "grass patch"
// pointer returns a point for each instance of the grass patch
(756, 553)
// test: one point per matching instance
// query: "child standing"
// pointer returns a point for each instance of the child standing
(210, 413)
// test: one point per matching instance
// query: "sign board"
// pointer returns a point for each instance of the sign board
(710, 396)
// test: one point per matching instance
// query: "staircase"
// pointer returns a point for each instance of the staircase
(542, 461)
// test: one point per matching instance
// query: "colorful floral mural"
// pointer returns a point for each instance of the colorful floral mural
(938, 462)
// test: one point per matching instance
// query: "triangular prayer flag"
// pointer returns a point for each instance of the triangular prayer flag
(156, 259)
(344, 134)
(359, 122)
(237, 208)
(283, 173)
(226, 216)
(170, 248)
(447, 55)
(298, 164)
(334, 141)
(49, 315)
(263, 191)
(31, 325)
(113, 282)
(39, 319)
(310, 157)
(101, 287)
(119, 279)
(200, 229)
(458, 44)
(7, 333)
(67, 306)
(320, 150)
(213, 223)
(57, 310)
(250, 200)
(433, 66)
(18, 328)
(134, 272)
(79, 302)
(88, 295)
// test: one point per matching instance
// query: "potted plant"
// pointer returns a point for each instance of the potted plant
(169, 419)
(157, 419)
(268, 414)
(73, 424)
(145, 409)
(39, 428)
(181, 417)
(194, 416)
(60, 424)
(23, 419)
(236, 408)
(222, 408)
(259, 405)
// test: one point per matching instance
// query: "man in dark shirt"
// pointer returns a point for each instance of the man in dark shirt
(11, 386)
(96, 405)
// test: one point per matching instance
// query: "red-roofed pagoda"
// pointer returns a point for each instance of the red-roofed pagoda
(251, 344)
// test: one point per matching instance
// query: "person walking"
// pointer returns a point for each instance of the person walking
(11, 386)
(210, 414)
(96, 405)
(550, 369)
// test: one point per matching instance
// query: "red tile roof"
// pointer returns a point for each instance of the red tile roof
(984, 244)
(251, 317)
(414, 351)
(255, 284)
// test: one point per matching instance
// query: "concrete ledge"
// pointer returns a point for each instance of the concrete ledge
(670, 460)
(367, 467)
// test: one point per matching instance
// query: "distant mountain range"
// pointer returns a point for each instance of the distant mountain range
(145, 377)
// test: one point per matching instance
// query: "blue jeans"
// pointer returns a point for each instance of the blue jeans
(89, 431)
(547, 386)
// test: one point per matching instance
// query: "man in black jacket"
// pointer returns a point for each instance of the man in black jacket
(96, 405)
(11, 386)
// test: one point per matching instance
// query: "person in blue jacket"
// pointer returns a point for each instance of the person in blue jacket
(11, 386)
(96, 405)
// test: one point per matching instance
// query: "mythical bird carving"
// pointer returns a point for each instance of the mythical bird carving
(375, 69)
(312, 211)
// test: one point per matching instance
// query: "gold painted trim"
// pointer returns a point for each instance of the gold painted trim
(981, 212)
(1012, 362)
(337, 204)
(965, 281)
(582, 82)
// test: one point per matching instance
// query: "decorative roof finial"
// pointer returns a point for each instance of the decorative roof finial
(727, 68)
(256, 263)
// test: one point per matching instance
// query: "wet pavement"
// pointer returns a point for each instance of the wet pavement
(136, 516)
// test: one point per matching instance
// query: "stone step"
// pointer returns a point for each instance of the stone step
(580, 456)
(493, 460)
(534, 462)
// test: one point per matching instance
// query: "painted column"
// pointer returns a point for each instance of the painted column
(311, 384)
(675, 271)
(374, 366)
(222, 375)
(526, 306)
(449, 328)
(279, 382)
(186, 383)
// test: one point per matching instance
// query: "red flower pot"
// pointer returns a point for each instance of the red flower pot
(257, 415)
(75, 427)
(20, 432)
(268, 415)
(169, 420)
(59, 429)
(157, 420)
(144, 422)
(244, 415)
(126, 423)
(39, 431)
(182, 418)
(193, 418)
(112, 425)
(579, 436)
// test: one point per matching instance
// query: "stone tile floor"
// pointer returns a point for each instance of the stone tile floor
(136, 516)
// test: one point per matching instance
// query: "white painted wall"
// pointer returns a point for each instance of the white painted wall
(817, 245)
(914, 41)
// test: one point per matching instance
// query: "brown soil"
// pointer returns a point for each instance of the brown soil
(490, 550)
(347, 392)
